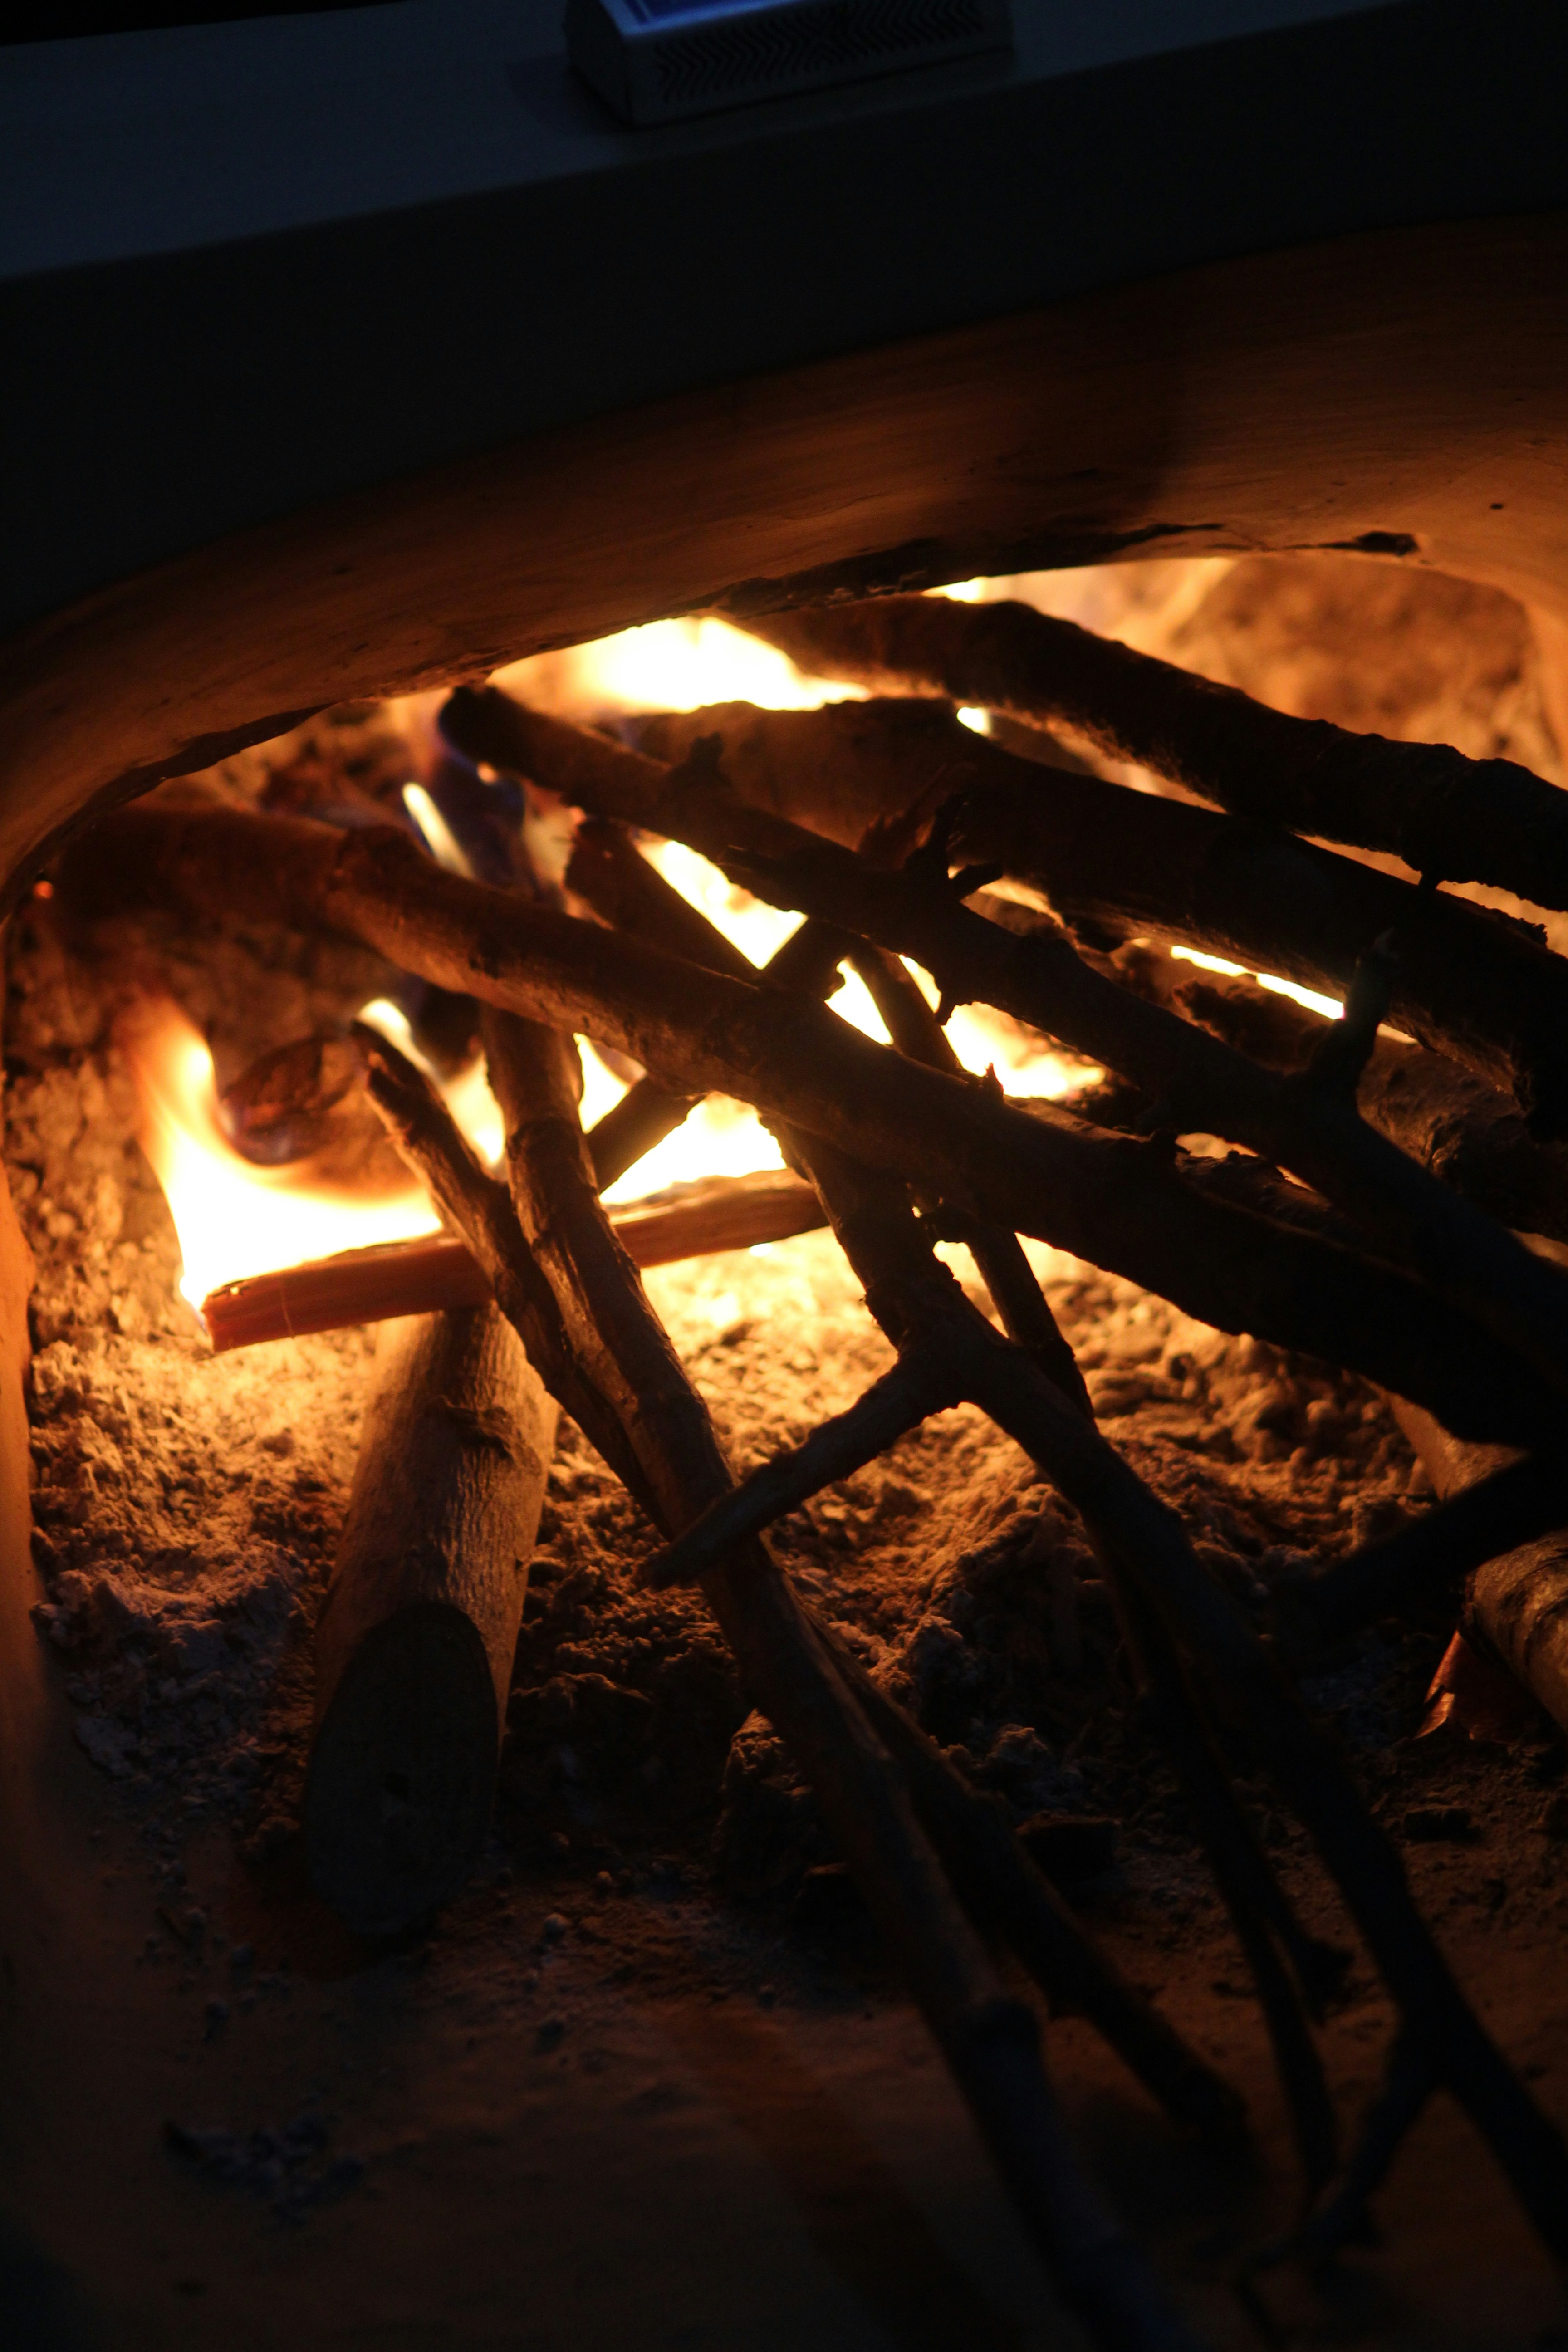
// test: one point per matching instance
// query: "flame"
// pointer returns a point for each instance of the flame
(667, 665)
(1329, 1007)
(234, 1218)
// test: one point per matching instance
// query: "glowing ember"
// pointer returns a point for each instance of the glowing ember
(1329, 1007)
(234, 1218)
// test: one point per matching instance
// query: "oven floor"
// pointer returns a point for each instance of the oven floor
(575, 2117)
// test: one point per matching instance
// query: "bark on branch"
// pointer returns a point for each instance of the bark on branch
(1119, 1203)
(991, 2043)
(1451, 818)
(1113, 864)
(1307, 1123)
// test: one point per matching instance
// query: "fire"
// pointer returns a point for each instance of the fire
(667, 665)
(234, 1218)
(1329, 1007)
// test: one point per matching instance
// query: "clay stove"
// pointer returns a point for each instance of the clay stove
(279, 540)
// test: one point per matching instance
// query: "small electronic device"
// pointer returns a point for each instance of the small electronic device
(660, 60)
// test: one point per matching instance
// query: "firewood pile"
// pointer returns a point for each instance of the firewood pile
(1345, 1198)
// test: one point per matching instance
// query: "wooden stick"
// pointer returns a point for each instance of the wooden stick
(976, 1846)
(1409, 2079)
(414, 1642)
(1144, 1542)
(1106, 1198)
(1114, 864)
(722, 1212)
(1511, 1507)
(990, 2041)
(625, 892)
(1469, 1133)
(1308, 1124)
(914, 1299)
(998, 1254)
(1449, 817)
(1075, 1975)
(621, 886)
(1516, 1602)
(1001, 1885)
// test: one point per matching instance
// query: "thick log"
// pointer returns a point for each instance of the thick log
(414, 1642)
(1115, 864)
(1449, 817)
(1117, 1201)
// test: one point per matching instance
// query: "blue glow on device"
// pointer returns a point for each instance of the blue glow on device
(658, 60)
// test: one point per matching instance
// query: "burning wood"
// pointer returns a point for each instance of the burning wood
(420, 1277)
(1381, 1267)
(1112, 862)
(1450, 818)
(414, 1642)
(1040, 1172)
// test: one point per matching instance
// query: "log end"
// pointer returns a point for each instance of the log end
(398, 1800)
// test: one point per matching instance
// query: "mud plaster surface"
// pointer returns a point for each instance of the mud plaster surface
(647, 1831)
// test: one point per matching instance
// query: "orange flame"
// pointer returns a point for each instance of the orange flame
(234, 1218)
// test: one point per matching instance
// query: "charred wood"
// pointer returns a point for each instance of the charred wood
(1516, 1602)
(1473, 1137)
(416, 1277)
(1509, 1506)
(1307, 1123)
(1146, 1549)
(1073, 1972)
(621, 885)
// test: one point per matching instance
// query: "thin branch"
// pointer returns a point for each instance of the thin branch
(1115, 864)
(915, 1387)
(933, 1326)
(1307, 1123)
(1145, 1541)
(998, 1254)
(1118, 1202)
(990, 2041)
(420, 1277)
(974, 1842)
(1409, 2079)
(1469, 1133)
